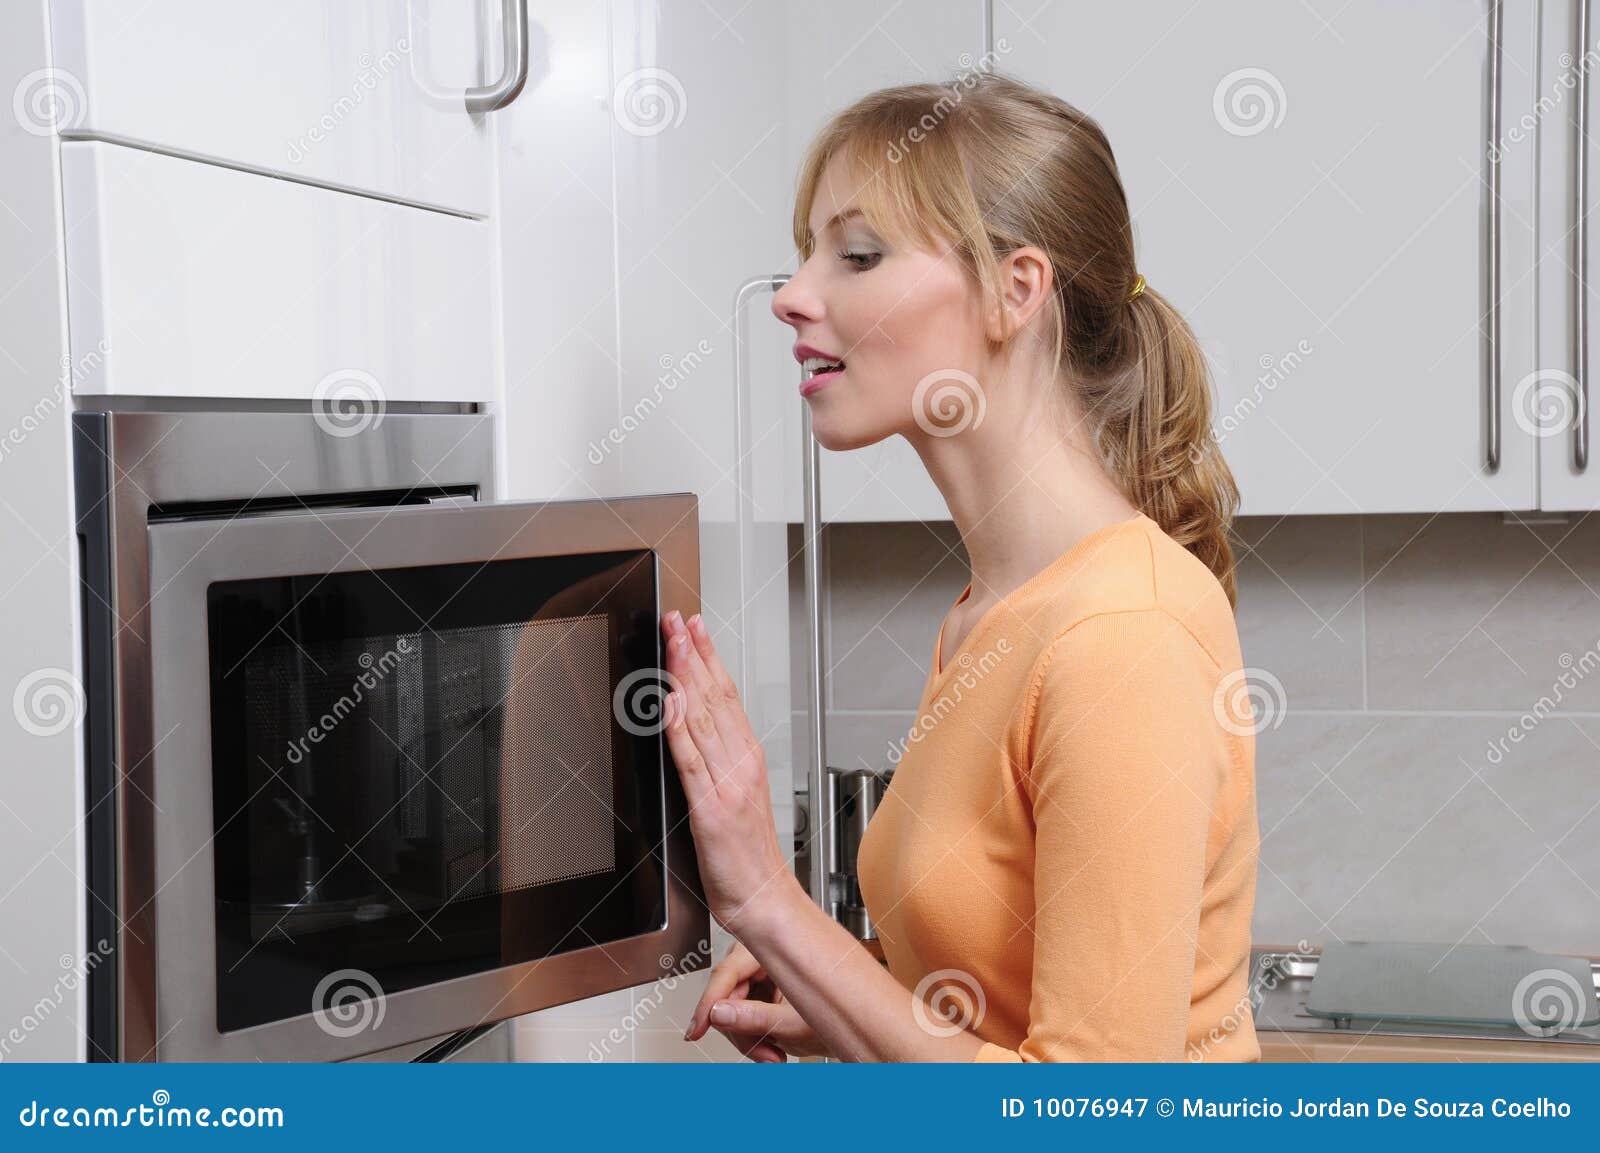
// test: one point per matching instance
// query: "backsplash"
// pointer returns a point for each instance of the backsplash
(1428, 687)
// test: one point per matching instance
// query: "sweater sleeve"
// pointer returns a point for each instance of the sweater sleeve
(1127, 762)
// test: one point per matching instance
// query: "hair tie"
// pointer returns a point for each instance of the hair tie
(1138, 289)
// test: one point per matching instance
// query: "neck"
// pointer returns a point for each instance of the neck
(1021, 492)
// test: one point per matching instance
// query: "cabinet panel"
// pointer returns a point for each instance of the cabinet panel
(187, 279)
(1309, 184)
(366, 96)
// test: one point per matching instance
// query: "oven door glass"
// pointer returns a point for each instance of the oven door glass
(423, 773)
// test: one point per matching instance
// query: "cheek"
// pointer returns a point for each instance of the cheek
(926, 323)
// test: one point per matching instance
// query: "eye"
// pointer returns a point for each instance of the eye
(862, 260)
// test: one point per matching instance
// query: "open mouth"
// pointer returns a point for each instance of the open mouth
(815, 366)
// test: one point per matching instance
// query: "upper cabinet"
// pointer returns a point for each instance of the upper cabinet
(368, 97)
(1324, 190)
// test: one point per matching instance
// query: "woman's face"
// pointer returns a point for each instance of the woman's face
(895, 316)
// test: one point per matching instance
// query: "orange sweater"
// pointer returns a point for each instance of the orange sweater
(1065, 859)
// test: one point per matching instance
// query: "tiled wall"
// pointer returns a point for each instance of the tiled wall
(1429, 765)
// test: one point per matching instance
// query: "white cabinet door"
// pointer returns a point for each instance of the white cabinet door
(364, 95)
(1309, 184)
(194, 280)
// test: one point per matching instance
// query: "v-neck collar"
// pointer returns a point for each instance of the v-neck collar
(940, 667)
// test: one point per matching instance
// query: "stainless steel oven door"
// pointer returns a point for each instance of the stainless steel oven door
(406, 778)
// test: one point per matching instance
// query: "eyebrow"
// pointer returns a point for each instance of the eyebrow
(839, 218)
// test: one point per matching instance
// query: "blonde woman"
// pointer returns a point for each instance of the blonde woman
(1063, 868)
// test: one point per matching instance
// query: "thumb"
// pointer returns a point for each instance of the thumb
(758, 1018)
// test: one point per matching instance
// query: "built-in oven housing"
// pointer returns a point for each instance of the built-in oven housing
(372, 757)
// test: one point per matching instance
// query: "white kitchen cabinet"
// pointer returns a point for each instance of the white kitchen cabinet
(361, 96)
(1309, 185)
(189, 279)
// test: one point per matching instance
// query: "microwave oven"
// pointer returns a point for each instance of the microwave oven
(372, 757)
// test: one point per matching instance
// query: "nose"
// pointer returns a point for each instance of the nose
(795, 303)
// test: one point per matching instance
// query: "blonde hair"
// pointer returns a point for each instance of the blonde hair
(987, 164)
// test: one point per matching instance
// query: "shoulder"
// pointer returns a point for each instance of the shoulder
(1138, 583)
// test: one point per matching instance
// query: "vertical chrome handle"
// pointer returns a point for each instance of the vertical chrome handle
(514, 71)
(1580, 255)
(1492, 314)
(821, 785)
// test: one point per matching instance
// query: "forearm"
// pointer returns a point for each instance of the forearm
(856, 1008)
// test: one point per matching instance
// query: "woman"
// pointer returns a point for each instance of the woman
(1063, 867)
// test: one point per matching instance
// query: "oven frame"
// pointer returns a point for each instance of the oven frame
(263, 477)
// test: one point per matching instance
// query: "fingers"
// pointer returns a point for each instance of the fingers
(730, 978)
(727, 690)
(713, 711)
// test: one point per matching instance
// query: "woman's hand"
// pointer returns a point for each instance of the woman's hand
(760, 1023)
(724, 773)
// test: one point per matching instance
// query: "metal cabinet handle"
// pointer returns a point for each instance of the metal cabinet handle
(514, 73)
(1580, 257)
(1492, 336)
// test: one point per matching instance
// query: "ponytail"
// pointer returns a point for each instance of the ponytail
(1164, 450)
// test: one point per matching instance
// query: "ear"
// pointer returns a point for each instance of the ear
(1026, 280)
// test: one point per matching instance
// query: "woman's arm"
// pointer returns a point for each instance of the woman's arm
(852, 1003)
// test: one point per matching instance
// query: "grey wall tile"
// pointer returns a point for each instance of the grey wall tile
(1466, 612)
(1299, 610)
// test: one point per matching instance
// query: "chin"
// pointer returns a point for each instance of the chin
(839, 435)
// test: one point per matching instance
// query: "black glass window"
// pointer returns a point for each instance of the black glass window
(419, 773)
